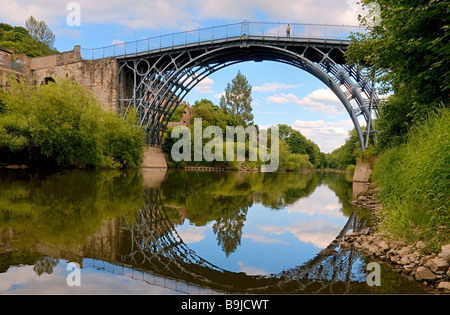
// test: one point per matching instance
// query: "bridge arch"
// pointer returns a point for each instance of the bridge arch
(159, 80)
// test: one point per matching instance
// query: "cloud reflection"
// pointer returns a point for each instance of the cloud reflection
(322, 201)
(318, 232)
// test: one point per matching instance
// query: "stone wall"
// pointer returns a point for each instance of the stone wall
(99, 76)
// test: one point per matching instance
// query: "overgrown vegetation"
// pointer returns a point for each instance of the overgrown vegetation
(36, 40)
(409, 54)
(346, 156)
(62, 124)
(414, 180)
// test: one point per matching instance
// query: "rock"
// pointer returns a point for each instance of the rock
(444, 285)
(445, 253)
(396, 259)
(423, 273)
(409, 268)
(438, 265)
(392, 252)
(420, 245)
(405, 250)
(384, 247)
(408, 259)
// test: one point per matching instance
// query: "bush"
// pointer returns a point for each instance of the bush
(415, 179)
(63, 124)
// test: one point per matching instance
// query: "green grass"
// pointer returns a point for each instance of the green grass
(414, 181)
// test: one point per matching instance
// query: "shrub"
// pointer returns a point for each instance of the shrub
(63, 124)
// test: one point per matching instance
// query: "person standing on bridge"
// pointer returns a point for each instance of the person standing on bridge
(288, 31)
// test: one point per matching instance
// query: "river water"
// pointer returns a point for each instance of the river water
(182, 232)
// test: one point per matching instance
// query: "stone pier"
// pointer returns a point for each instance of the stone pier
(154, 158)
(361, 178)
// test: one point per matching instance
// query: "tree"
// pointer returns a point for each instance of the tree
(19, 39)
(63, 124)
(299, 144)
(40, 32)
(237, 100)
(410, 48)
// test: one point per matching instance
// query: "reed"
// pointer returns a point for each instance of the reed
(414, 181)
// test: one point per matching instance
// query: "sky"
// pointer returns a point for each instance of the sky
(281, 94)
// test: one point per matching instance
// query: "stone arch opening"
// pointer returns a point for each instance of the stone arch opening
(47, 80)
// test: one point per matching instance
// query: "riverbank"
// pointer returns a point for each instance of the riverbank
(414, 260)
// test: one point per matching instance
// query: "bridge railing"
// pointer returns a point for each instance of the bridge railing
(223, 32)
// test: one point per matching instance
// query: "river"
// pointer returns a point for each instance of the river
(182, 232)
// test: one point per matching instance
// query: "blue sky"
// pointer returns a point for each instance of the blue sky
(281, 93)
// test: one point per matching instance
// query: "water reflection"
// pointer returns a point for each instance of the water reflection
(157, 232)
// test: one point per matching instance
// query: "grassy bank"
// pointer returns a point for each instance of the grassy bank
(414, 181)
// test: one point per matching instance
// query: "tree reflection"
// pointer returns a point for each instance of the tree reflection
(45, 265)
(228, 229)
(224, 198)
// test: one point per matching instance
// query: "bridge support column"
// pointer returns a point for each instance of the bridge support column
(361, 178)
(154, 158)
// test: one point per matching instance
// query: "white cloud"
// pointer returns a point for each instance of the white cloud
(192, 234)
(118, 42)
(205, 86)
(324, 101)
(283, 98)
(251, 270)
(273, 86)
(328, 135)
(181, 14)
(258, 238)
(318, 232)
(321, 100)
(322, 202)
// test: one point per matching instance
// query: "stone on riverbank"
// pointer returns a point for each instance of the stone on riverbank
(445, 253)
(438, 265)
(412, 259)
(424, 274)
(444, 285)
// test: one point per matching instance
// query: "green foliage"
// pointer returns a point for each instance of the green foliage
(63, 124)
(292, 161)
(64, 209)
(347, 154)
(40, 32)
(20, 40)
(415, 180)
(410, 51)
(212, 114)
(299, 144)
(237, 101)
(296, 152)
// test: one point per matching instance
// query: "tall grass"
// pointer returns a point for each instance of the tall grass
(414, 181)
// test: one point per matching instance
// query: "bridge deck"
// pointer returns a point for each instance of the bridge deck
(255, 31)
(245, 41)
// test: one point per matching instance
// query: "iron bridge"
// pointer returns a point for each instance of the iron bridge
(155, 74)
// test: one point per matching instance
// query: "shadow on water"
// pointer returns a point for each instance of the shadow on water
(128, 223)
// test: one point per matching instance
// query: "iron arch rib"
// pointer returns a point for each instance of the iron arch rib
(172, 74)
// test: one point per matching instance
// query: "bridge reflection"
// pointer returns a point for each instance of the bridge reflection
(152, 245)
(144, 244)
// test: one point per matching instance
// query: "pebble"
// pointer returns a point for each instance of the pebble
(432, 270)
